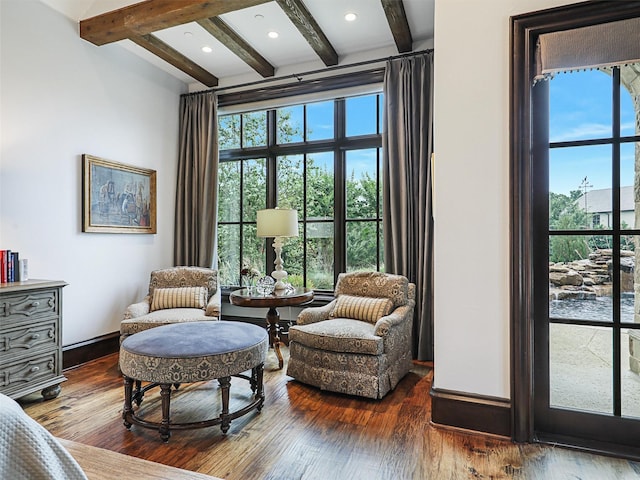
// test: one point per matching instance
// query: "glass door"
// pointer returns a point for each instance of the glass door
(587, 237)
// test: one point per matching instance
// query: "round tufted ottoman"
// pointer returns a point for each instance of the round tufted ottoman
(192, 352)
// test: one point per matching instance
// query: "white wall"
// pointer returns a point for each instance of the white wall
(472, 175)
(61, 97)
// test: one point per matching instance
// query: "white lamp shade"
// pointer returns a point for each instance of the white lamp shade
(277, 222)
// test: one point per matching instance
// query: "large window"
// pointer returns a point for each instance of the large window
(324, 160)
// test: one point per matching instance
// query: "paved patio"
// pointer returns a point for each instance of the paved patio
(581, 370)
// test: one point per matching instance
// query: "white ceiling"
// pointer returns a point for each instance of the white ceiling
(367, 38)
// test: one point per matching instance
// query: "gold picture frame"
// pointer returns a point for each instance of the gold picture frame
(117, 198)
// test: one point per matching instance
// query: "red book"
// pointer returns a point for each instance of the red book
(3, 266)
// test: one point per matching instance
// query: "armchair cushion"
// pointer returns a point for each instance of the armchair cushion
(161, 317)
(180, 297)
(342, 335)
(362, 308)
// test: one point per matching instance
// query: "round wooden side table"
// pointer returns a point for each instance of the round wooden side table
(249, 297)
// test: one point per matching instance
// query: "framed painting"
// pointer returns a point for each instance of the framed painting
(117, 198)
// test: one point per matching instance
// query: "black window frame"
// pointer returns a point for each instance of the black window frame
(340, 144)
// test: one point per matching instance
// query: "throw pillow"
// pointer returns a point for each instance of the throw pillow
(362, 308)
(181, 297)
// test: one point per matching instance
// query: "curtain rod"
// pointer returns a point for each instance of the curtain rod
(298, 76)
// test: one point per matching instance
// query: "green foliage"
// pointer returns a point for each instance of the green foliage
(254, 129)
(298, 281)
(627, 242)
(567, 248)
(565, 214)
(229, 132)
(320, 199)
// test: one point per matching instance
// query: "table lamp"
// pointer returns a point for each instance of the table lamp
(278, 223)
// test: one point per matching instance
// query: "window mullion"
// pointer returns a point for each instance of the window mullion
(272, 180)
(378, 219)
(340, 209)
(241, 219)
(272, 173)
(617, 387)
(304, 214)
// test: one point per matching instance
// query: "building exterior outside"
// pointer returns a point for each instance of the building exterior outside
(597, 204)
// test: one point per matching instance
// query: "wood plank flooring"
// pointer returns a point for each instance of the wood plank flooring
(101, 464)
(303, 433)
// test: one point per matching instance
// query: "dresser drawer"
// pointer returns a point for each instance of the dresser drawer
(22, 339)
(15, 375)
(27, 305)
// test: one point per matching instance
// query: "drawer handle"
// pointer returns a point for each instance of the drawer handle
(34, 305)
(34, 369)
(35, 336)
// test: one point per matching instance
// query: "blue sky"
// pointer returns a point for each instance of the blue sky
(581, 108)
(361, 120)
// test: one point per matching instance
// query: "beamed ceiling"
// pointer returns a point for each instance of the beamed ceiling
(311, 33)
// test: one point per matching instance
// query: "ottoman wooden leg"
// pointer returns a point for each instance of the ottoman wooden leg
(138, 393)
(254, 380)
(225, 420)
(165, 393)
(259, 392)
(127, 409)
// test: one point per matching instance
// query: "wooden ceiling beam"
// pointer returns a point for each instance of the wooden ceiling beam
(230, 39)
(175, 58)
(310, 30)
(397, 18)
(152, 15)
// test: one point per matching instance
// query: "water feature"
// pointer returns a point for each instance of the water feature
(600, 308)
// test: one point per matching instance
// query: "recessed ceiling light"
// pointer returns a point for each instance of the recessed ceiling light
(350, 17)
(188, 34)
(273, 34)
(207, 49)
(258, 16)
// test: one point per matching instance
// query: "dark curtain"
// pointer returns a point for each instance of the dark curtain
(408, 223)
(197, 190)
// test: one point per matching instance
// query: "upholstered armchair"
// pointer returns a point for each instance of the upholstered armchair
(360, 343)
(178, 294)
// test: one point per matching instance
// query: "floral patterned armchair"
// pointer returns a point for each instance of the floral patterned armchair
(360, 343)
(178, 294)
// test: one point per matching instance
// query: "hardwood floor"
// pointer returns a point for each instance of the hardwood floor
(303, 433)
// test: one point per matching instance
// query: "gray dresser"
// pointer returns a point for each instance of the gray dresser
(31, 338)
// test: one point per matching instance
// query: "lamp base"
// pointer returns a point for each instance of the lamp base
(279, 276)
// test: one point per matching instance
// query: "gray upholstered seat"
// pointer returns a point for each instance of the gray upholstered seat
(193, 352)
(365, 356)
(141, 316)
(341, 335)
